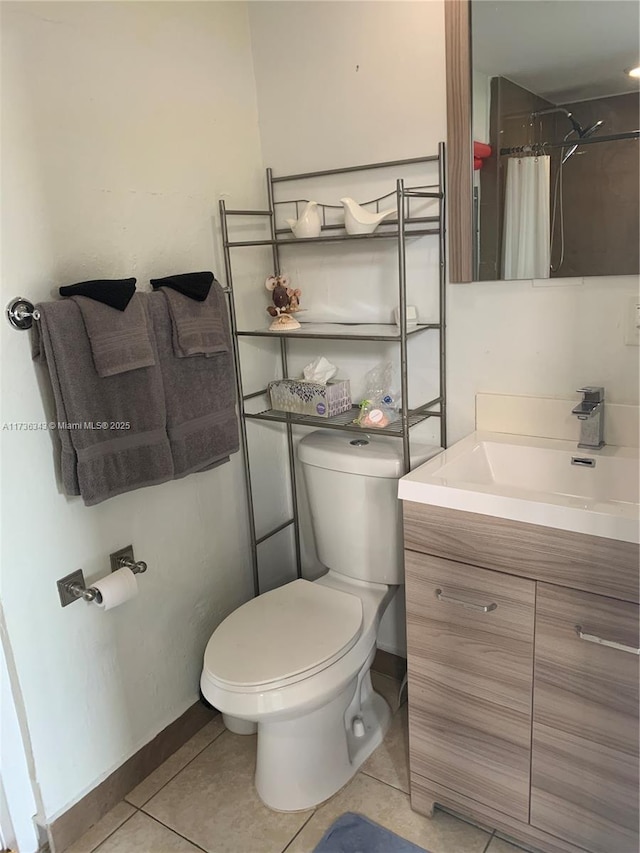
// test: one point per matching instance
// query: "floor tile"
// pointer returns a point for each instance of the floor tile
(142, 834)
(390, 808)
(102, 829)
(390, 762)
(213, 802)
(168, 769)
(387, 687)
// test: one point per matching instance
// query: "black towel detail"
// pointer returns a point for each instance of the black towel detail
(115, 292)
(195, 285)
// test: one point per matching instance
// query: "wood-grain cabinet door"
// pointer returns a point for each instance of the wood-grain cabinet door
(470, 663)
(584, 782)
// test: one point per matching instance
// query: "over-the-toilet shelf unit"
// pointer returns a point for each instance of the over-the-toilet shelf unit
(401, 228)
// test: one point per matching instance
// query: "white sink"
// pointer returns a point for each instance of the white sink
(533, 480)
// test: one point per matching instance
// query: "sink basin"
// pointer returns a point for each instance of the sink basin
(533, 480)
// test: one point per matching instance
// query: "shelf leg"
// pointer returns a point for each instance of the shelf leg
(443, 293)
(292, 471)
(402, 287)
(285, 373)
(243, 424)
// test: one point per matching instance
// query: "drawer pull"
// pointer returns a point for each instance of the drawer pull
(591, 638)
(480, 608)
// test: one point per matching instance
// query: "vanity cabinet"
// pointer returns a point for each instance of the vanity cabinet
(518, 716)
(471, 668)
(584, 757)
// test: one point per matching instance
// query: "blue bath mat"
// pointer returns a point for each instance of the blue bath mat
(353, 833)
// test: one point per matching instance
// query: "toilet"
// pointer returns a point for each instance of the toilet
(293, 664)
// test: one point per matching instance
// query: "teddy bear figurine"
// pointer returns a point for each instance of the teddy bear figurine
(286, 301)
(294, 299)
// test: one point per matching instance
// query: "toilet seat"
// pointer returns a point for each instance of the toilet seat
(283, 636)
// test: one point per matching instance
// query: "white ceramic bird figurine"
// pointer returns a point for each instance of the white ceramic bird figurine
(357, 220)
(308, 224)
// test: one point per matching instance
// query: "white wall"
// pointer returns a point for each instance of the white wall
(361, 82)
(122, 125)
(346, 83)
(539, 338)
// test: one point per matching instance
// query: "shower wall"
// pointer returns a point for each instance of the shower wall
(600, 183)
(600, 188)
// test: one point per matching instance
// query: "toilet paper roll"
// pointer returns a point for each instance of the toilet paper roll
(116, 588)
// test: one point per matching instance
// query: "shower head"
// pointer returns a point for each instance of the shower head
(590, 130)
(568, 154)
(582, 133)
(574, 124)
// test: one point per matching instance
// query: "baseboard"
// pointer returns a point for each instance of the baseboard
(387, 663)
(86, 812)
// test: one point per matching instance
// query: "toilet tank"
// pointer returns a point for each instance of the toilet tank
(352, 486)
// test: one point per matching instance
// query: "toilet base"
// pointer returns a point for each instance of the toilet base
(238, 726)
(303, 761)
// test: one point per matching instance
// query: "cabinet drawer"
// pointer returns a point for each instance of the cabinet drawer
(576, 560)
(470, 664)
(584, 783)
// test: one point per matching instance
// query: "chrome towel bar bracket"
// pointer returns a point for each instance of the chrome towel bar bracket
(21, 313)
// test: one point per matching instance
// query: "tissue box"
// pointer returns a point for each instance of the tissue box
(310, 398)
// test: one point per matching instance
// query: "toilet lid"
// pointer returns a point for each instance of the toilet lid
(284, 633)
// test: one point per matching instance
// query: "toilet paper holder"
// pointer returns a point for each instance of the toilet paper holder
(73, 587)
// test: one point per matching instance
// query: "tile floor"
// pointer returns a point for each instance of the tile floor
(202, 799)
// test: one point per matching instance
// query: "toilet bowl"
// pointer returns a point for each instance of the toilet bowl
(294, 663)
(318, 717)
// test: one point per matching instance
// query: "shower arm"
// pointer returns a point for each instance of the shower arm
(568, 113)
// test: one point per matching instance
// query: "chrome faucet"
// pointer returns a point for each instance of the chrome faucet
(590, 412)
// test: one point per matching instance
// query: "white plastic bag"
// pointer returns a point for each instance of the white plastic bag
(378, 408)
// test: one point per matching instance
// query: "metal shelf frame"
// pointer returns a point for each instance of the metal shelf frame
(345, 421)
(331, 333)
(400, 229)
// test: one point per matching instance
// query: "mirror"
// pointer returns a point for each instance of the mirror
(552, 131)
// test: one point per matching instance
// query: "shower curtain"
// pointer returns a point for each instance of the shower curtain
(526, 232)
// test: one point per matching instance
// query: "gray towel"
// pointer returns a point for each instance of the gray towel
(198, 328)
(200, 396)
(119, 339)
(42, 352)
(99, 462)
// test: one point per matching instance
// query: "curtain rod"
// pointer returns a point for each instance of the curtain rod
(540, 147)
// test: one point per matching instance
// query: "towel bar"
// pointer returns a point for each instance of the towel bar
(21, 313)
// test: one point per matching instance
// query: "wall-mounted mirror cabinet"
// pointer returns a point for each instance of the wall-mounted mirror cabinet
(543, 128)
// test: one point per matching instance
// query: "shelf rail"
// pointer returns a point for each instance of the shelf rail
(401, 228)
(302, 176)
(330, 238)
